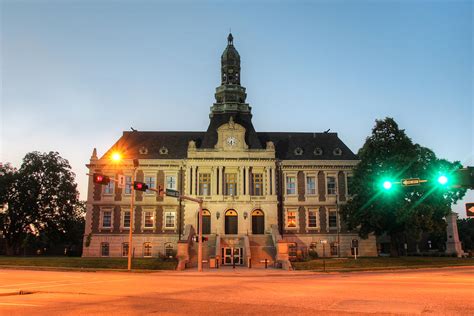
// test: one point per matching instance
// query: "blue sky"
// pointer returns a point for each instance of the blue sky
(75, 74)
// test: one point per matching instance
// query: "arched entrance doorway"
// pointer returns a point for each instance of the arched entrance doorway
(231, 222)
(206, 222)
(258, 222)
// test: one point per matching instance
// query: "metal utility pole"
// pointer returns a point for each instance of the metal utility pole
(132, 200)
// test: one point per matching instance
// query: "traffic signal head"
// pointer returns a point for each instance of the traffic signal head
(387, 185)
(140, 186)
(443, 180)
(100, 179)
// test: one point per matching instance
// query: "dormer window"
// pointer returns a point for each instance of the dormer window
(318, 151)
(298, 151)
(163, 150)
(337, 152)
(143, 150)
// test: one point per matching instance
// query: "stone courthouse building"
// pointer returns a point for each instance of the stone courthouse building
(266, 195)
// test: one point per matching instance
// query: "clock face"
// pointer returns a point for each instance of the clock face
(232, 141)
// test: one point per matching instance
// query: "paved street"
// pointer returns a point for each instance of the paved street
(239, 292)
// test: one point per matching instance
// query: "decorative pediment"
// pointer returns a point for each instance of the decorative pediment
(231, 137)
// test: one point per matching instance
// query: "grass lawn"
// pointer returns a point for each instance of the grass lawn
(89, 263)
(376, 263)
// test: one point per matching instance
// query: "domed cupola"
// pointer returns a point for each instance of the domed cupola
(230, 63)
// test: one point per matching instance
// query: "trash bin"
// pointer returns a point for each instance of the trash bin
(212, 263)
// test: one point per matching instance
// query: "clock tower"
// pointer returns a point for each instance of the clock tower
(230, 101)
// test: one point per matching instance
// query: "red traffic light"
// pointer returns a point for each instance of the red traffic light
(140, 186)
(100, 178)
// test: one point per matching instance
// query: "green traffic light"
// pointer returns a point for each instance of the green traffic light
(442, 179)
(387, 185)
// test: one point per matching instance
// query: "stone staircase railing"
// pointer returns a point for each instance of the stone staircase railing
(247, 250)
(281, 249)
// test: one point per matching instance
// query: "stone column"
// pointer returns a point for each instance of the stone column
(241, 183)
(213, 181)
(193, 178)
(221, 180)
(453, 245)
(247, 181)
(188, 180)
(267, 181)
(273, 181)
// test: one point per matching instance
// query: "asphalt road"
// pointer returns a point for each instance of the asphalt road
(447, 291)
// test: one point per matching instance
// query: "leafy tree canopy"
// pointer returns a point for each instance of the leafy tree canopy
(390, 155)
(40, 198)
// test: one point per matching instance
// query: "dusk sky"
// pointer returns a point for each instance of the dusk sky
(76, 74)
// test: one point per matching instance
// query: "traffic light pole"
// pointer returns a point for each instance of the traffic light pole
(130, 235)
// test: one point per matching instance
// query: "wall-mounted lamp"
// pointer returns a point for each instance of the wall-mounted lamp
(246, 215)
(218, 214)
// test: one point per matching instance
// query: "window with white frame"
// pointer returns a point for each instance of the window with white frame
(291, 218)
(147, 249)
(128, 185)
(104, 249)
(204, 184)
(310, 185)
(107, 219)
(151, 182)
(124, 249)
(109, 188)
(312, 218)
(290, 185)
(171, 182)
(126, 219)
(332, 219)
(148, 219)
(170, 220)
(331, 185)
(169, 250)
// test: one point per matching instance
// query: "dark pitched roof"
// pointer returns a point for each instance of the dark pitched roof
(308, 146)
(288, 146)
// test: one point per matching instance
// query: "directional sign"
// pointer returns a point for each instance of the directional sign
(470, 209)
(172, 193)
(413, 181)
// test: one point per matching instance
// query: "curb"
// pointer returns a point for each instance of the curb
(66, 269)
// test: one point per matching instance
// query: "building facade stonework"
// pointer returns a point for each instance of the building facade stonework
(273, 196)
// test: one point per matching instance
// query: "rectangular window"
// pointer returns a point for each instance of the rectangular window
(331, 184)
(104, 249)
(128, 184)
(125, 249)
(151, 182)
(312, 218)
(171, 182)
(126, 219)
(204, 184)
(291, 219)
(170, 219)
(148, 216)
(290, 185)
(257, 184)
(350, 185)
(310, 185)
(332, 219)
(107, 219)
(169, 251)
(230, 184)
(147, 249)
(333, 249)
(109, 188)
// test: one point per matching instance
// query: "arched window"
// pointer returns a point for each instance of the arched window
(231, 222)
(258, 222)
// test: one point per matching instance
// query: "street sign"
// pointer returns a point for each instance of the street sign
(470, 209)
(413, 181)
(172, 193)
(323, 241)
(355, 243)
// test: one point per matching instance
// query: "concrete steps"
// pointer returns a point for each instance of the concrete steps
(261, 248)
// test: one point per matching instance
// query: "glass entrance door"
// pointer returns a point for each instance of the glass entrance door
(231, 255)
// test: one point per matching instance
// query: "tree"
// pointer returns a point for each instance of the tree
(390, 155)
(466, 233)
(40, 199)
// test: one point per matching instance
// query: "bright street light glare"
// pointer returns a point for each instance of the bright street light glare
(387, 185)
(116, 156)
(443, 179)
